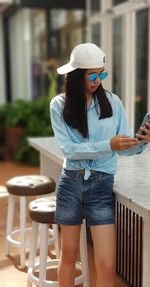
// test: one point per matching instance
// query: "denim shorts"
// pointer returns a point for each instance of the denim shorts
(92, 199)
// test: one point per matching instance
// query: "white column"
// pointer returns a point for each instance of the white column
(88, 27)
(20, 54)
(2, 66)
(129, 66)
(27, 43)
(106, 29)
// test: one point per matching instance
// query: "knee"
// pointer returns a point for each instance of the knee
(106, 270)
(69, 254)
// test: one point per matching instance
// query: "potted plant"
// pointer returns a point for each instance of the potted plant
(22, 119)
(38, 125)
(17, 114)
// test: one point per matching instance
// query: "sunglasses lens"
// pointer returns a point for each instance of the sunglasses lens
(103, 75)
(92, 77)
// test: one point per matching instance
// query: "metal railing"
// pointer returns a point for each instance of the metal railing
(129, 245)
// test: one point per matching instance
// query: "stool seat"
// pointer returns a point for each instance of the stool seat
(23, 187)
(29, 185)
(42, 210)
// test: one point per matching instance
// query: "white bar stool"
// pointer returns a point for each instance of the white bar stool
(44, 213)
(23, 186)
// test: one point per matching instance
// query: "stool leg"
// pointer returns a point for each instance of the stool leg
(84, 255)
(22, 230)
(33, 245)
(57, 240)
(34, 239)
(43, 253)
(10, 217)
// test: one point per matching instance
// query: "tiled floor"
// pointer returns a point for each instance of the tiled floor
(10, 273)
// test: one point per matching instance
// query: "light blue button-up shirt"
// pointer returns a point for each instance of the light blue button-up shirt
(94, 152)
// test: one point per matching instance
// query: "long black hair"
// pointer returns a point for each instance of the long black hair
(75, 106)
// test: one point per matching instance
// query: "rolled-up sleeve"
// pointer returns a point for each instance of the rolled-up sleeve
(123, 128)
(70, 148)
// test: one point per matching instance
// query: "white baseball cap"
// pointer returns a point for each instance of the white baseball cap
(84, 56)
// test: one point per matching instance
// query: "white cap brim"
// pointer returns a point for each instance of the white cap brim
(67, 68)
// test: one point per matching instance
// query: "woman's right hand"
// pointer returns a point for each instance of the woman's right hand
(122, 142)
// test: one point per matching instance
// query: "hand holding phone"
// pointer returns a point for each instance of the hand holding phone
(143, 125)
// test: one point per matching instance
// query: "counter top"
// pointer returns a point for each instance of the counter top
(49, 147)
(132, 180)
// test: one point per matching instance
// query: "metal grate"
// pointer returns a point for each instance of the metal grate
(129, 245)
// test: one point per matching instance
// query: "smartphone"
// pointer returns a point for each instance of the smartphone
(143, 124)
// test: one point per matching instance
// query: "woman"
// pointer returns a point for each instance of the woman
(91, 128)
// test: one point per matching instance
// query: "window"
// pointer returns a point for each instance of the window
(95, 34)
(141, 67)
(117, 2)
(95, 6)
(117, 56)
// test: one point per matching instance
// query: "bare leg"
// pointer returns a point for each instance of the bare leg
(105, 253)
(70, 238)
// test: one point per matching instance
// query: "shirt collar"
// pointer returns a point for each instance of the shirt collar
(93, 103)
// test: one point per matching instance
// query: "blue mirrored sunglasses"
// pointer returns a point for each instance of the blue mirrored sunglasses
(94, 76)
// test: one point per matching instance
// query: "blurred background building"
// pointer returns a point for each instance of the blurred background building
(37, 35)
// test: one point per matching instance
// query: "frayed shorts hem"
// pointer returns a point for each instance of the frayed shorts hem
(104, 222)
(59, 221)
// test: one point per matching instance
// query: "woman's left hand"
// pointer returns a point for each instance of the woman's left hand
(146, 137)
